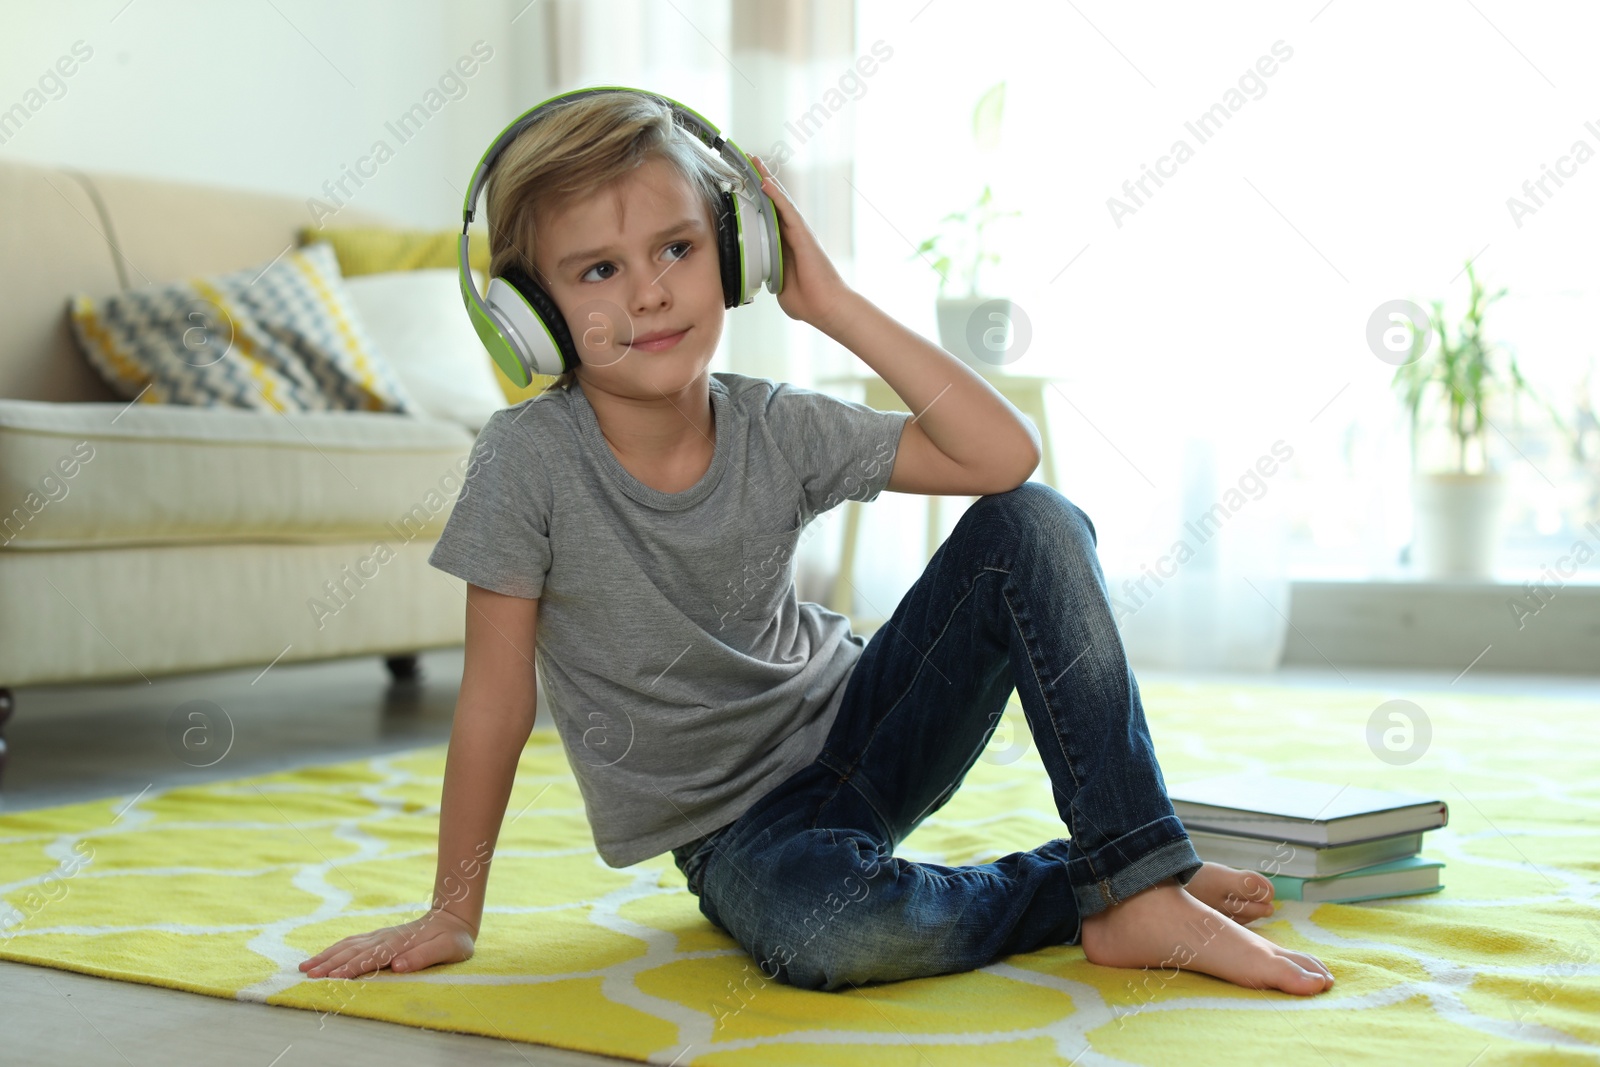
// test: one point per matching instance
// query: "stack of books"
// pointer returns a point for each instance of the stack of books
(1315, 841)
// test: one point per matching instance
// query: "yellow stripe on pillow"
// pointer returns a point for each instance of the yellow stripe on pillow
(113, 362)
(255, 363)
(361, 360)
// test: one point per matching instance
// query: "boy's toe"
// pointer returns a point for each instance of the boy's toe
(1254, 911)
(1292, 977)
(1258, 888)
(1309, 963)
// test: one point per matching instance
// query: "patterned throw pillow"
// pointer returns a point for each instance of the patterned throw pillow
(282, 336)
(366, 250)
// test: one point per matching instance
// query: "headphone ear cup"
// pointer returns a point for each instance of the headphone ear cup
(547, 311)
(728, 252)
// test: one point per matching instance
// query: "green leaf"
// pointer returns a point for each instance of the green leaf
(986, 117)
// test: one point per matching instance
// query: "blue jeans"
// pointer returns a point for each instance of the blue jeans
(806, 879)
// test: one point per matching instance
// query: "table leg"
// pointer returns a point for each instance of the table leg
(840, 599)
(1034, 409)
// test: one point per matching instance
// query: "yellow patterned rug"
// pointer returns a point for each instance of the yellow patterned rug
(223, 889)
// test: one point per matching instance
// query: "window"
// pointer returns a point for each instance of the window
(1219, 293)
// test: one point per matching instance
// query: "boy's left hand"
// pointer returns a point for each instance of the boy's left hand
(813, 291)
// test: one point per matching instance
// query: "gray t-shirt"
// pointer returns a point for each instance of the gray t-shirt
(685, 678)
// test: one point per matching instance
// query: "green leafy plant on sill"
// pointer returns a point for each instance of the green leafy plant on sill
(958, 244)
(1464, 368)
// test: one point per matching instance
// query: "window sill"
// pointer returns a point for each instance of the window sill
(1409, 621)
(1507, 577)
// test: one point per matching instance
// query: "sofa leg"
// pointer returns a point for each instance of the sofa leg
(8, 704)
(406, 668)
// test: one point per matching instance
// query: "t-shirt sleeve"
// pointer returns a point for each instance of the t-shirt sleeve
(498, 534)
(840, 450)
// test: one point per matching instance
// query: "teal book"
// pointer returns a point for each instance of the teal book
(1398, 878)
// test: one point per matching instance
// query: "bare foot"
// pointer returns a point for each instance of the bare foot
(1243, 895)
(1164, 926)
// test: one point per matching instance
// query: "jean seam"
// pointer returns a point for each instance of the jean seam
(816, 813)
(883, 820)
(711, 845)
(1049, 714)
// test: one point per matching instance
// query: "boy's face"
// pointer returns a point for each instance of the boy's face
(631, 262)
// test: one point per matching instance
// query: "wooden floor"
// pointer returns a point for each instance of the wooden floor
(87, 742)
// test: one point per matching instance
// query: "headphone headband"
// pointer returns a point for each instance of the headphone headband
(517, 320)
(695, 122)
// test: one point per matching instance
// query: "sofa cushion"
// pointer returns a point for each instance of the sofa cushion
(134, 613)
(379, 249)
(365, 250)
(106, 474)
(419, 324)
(277, 336)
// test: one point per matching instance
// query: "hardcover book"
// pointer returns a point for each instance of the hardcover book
(1300, 812)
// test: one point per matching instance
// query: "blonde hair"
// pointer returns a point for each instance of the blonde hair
(577, 149)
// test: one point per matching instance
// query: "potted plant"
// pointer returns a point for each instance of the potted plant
(1458, 508)
(972, 325)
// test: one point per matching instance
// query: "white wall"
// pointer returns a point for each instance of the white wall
(281, 97)
(291, 96)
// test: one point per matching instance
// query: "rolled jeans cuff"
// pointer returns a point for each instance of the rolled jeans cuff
(1163, 849)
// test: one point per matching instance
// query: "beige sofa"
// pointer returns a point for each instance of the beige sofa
(140, 540)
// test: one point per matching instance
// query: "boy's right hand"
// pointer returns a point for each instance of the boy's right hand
(437, 937)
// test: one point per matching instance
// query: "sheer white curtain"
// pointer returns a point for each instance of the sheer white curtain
(778, 77)
(1226, 312)
(788, 109)
(754, 68)
(675, 48)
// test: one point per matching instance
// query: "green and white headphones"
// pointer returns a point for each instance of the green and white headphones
(519, 322)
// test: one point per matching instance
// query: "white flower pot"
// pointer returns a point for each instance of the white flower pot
(979, 336)
(1458, 524)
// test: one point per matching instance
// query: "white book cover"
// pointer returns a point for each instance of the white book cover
(1300, 811)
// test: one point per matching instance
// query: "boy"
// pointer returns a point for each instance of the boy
(648, 518)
